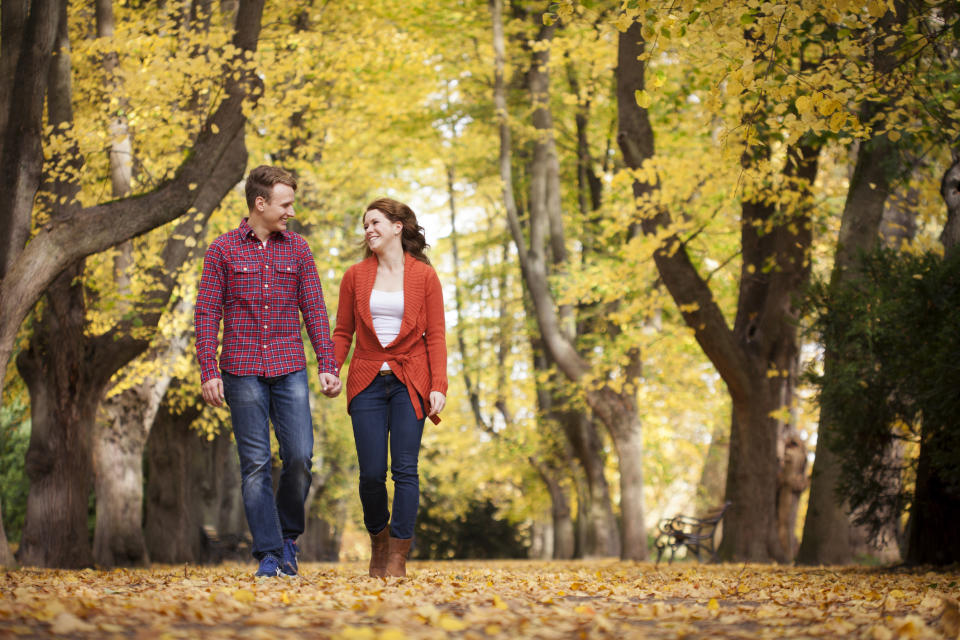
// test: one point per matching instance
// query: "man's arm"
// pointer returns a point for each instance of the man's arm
(206, 319)
(314, 310)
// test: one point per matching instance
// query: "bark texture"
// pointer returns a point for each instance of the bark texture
(58, 460)
(193, 508)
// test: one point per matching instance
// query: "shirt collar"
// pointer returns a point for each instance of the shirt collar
(246, 231)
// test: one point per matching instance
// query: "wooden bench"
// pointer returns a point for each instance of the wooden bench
(696, 534)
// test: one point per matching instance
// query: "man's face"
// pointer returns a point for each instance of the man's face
(275, 211)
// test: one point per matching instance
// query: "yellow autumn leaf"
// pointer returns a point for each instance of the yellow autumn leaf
(450, 623)
(643, 98)
(244, 595)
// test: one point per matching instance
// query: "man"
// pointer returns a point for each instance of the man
(256, 278)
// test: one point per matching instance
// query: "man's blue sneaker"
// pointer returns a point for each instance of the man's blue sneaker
(269, 568)
(289, 565)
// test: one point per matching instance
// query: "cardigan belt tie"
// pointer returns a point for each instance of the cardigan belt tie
(397, 362)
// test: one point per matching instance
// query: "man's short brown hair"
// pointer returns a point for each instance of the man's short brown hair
(261, 180)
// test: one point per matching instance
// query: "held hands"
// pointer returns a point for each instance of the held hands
(330, 385)
(437, 402)
(212, 391)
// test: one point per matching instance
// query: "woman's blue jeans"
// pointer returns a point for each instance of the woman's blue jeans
(254, 402)
(381, 414)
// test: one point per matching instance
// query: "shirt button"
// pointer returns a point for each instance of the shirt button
(266, 286)
(264, 326)
(266, 306)
(264, 346)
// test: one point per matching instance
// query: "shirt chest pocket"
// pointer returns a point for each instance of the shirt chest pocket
(283, 276)
(245, 280)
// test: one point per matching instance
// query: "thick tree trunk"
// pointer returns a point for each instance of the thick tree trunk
(173, 527)
(629, 446)
(598, 533)
(750, 525)
(321, 539)
(564, 540)
(828, 529)
(118, 447)
(29, 40)
(791, 483)
(58, 458)
(934, 517)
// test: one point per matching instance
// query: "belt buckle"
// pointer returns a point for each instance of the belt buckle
(385, 372)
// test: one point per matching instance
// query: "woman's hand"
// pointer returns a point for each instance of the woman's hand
(329, 385)
(437, 402)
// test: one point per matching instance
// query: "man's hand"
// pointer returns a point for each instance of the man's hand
(212, 391)
(329, 385)
(437, 402)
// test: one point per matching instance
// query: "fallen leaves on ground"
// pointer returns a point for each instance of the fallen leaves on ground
(493, 599)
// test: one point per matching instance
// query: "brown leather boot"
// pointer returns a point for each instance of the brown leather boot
(397, 558)
(379, 547)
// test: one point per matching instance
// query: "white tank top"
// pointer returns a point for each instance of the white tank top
(386, 307)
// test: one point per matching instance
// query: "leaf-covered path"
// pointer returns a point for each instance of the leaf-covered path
(495, 599)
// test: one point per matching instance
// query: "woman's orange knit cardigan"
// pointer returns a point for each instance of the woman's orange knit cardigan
(418, 355)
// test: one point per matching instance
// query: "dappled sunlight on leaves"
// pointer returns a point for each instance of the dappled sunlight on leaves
(496, 599)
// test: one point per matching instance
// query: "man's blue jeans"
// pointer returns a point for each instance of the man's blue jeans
(383, 412)
(254, 402)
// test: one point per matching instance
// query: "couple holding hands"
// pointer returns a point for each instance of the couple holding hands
(258, 279)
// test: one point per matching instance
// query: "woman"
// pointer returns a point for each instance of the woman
(392, 301)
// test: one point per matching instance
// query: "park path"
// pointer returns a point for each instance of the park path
(484, 599)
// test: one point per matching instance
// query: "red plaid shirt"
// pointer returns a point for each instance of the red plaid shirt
(258, 292)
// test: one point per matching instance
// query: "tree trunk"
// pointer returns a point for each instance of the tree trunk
(629, 445)
(600, 535)
(828, 529)
(31, 35)
(321, 539)
(710, 488)
(173, 526)
(6, 557)
(118, 447)
(935, 514)
(564, 540)
(23, 81)
(934, 517)
(58, 458)
(791, 483)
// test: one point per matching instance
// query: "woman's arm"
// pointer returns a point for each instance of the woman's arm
(346, 322)
(436, 333)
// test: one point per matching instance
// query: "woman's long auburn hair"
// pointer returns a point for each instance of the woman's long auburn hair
(411, 236)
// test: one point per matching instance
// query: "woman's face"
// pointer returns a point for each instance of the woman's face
(379, 232)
